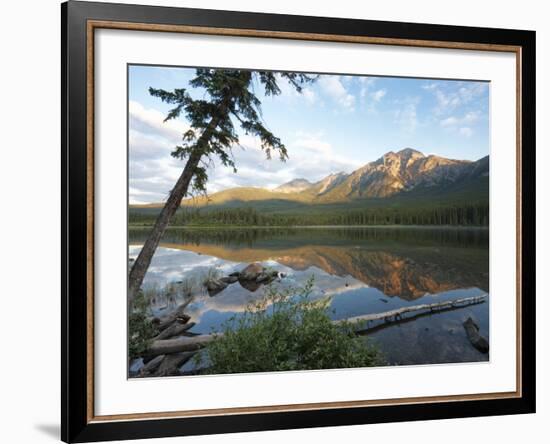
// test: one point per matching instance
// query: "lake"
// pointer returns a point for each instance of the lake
(362, 269)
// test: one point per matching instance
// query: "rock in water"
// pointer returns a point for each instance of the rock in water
(265, 277)
(214, 286)
(255, 275)
(262, 277)
(250, 285)
(472, 331)
(251, 272)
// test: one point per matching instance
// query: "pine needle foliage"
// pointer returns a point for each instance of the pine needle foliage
(229, 98)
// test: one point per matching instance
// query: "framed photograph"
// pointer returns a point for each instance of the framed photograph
(275, 221)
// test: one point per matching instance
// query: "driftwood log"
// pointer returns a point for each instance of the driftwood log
(170, 349)
(171, 363)
(150, 367)
(178, 345)
(177, 315)
(478, 341)
(175, 329)
(399, 312)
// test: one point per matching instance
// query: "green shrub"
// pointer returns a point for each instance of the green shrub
(140, 328)
(286, 330)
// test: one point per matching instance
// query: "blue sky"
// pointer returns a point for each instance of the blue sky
(338, 123)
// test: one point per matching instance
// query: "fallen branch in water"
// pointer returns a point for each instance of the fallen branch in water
(151, 366)
(178, 315)
(171, 363)
(177, 345)
(185, 343)
(396, 314)
(167, 353)
(472, 331)
(175, 329)
(378, 326)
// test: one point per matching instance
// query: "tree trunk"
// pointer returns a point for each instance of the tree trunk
(141, 264)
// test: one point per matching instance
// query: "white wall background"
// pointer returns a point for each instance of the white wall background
(29, 225)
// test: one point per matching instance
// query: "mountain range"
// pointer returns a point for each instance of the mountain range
(406, 174)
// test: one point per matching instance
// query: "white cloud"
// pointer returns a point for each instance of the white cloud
(450, 99)
(153, 172)
(429, 86)
(347, 80)
(310, 156)
(309, 95)
(366, 80)
(366, 83)
(378, 95)
(406, 115)
(466, 131)
(471, 117)
(446, 101)
(152, 121)
(471, 91)
(333, 87)
(370, 99)
(313, 142)
(289, 93)
(460, 124)
(449, 121)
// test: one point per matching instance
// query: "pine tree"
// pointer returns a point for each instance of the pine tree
(229, 97)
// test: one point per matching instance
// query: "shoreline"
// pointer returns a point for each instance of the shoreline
(267, 227)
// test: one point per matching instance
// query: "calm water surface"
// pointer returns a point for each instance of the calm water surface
(364, 270)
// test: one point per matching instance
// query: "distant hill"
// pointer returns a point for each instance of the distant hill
(407, 177)
(294, 186)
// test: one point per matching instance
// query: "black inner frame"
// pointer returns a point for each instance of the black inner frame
(74, 424)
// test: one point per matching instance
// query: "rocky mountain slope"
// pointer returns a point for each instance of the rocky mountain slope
(393, 174)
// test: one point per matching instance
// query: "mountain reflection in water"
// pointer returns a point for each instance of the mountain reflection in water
(364, 270)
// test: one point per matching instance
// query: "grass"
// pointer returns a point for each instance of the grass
(212, 274)
(188, 286)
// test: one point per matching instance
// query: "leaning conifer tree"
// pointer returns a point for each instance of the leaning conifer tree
(229, 98)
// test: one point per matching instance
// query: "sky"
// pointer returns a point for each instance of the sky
(337, 124)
